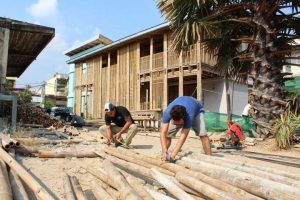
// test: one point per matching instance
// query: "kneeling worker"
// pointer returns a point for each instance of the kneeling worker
(123, 121)
(183, 113)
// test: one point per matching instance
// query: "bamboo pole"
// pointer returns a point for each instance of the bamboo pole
(246, 164)
(202, 177)
(5, 187)
(131, 166)
(26, 150)
(205, 189)
(64, 154)
(69, 194)
(263, 174)
(28, 141)
(25, 176)
(139, 188)
(170, 186)
(114, 152)
(100, 193)
(18, 189)
(126, 191)
(256, 185)
(77, 188)
(6, 142)
(158, 196)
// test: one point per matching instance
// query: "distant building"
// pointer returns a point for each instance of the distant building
(56, 90)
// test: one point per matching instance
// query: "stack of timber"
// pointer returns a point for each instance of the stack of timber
(34, 115)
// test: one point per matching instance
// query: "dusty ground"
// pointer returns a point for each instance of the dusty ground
(50, 172)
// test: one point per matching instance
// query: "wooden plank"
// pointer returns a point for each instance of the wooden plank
(127, 77)
(138, 88)
(165, 65)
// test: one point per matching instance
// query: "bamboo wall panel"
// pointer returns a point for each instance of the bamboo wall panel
(122, 75)
(113, 83)
(77, 75)
(157, 87)
(133, 76)
(145, 64)
(158, 61)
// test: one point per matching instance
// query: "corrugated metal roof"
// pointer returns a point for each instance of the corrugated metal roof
(118, 42)
(26, 41)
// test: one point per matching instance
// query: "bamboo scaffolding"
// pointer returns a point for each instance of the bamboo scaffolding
(39, 191)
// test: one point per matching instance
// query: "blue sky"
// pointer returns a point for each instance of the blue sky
(76, 21)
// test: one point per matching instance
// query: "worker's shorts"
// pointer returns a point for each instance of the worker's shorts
(173, 129)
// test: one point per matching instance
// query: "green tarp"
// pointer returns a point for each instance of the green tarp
(217, 122)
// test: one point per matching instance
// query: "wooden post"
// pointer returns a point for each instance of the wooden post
(25, 176)
(77, 188)
(100, 88)
(100, 193)
(5, 187)
(199, 71)
(180, 81)
(151, 73)
(108, 78)
(118, 79)
(127, 78)
(170, 186)
(69, 194)
(256, 185)
(126, 191)
(138, 96)
(165, 65)
(4, 39)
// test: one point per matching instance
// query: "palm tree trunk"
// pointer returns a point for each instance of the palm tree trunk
(267, 86)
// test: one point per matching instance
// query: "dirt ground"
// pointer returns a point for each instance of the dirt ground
(50, 172)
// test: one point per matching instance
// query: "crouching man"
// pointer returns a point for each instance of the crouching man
(123, 123)
(183, 113)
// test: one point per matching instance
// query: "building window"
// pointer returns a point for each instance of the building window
(83, 68)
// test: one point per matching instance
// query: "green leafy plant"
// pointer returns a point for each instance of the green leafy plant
(25, 97)
(48, 104)
(284, 129)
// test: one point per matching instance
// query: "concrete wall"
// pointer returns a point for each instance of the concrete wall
(214, 96)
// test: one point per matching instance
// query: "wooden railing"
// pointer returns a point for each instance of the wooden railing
(145, 64)
(147, 118)
(158, 61)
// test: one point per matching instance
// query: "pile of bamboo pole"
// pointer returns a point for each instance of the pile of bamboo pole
(11, 186)
(206, 178)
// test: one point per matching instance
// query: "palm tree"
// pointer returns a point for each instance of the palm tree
(266, 28)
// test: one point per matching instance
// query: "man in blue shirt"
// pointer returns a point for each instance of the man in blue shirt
(183, 113)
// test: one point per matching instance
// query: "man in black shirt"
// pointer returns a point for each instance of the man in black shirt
(123, 123)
